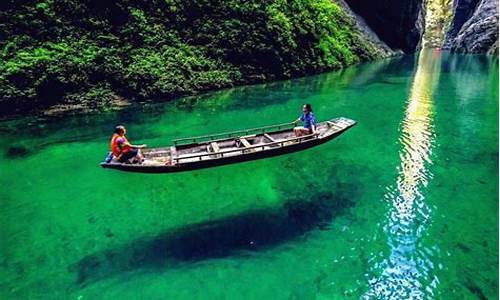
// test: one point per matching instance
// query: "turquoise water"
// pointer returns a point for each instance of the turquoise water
(404, 205)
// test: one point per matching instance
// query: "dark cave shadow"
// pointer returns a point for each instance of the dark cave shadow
(239, 234)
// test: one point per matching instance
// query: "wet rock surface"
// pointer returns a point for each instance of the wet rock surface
(463, 10)
(479, 33)
(398, 23)
(359, 24)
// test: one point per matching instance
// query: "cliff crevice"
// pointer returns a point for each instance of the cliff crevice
(398, 23)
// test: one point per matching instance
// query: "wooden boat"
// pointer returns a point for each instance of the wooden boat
(232, 147)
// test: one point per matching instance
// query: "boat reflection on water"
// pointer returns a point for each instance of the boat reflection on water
(407, 272)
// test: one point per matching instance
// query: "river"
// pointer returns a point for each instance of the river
(402, 206)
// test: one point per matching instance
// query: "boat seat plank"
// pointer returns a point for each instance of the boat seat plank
(173, 154)
(245, 142)
(214, 146)
(334, 125)
(269, 137)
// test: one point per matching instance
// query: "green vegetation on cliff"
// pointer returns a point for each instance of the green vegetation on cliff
(438, 15)
(92, 52)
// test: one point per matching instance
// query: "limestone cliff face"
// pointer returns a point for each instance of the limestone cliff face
(398, 23)
(474, 28)
(466, 26)
(380, 48)
(463, 10)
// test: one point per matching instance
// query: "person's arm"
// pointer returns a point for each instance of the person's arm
(122, 143)
(135, 146)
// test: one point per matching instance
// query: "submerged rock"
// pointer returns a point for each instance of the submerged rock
(17, 151)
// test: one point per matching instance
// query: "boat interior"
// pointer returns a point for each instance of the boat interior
(218, 146)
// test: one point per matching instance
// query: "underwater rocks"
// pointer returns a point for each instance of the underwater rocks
(474, 27)
(17, 151)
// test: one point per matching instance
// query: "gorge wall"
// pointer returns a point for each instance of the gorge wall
(465, 26)
(463, 10)
(474, 28)
(398, 23)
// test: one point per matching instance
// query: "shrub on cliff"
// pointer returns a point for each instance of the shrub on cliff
(55, 50)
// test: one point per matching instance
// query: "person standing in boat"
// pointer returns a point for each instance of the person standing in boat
(308, 120)
(122, 149)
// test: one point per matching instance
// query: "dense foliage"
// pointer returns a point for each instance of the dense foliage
(93, 51)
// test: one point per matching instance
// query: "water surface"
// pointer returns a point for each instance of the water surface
(404, 205)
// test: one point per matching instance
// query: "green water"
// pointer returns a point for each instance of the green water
(402, 206)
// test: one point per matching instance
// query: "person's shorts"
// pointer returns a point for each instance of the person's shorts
(128, 155)
(303, 129)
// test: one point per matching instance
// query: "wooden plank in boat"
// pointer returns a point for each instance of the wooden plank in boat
(269, 137)
(214, 146)
(335, 125)
(245, 142)
(173, 155)
(228, 135)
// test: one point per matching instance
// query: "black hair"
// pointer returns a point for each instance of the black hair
(308, 107)
(119, 129)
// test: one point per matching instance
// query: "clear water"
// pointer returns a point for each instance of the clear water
(402, 206)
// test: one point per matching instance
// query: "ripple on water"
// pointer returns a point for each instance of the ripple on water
(406, 270)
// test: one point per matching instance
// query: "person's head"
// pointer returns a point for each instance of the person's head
(307, 108)
(120, 130)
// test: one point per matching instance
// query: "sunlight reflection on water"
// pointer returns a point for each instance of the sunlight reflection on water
(407, 272)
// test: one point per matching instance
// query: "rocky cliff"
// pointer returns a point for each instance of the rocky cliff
(474, 28)
(466, 26)
(398, 23)
(380, 48)
(463, 10)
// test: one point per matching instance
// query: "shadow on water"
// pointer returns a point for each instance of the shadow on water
(234, 235)
(24, 149)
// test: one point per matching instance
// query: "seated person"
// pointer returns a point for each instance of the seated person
(308, 121)
(122, 149)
